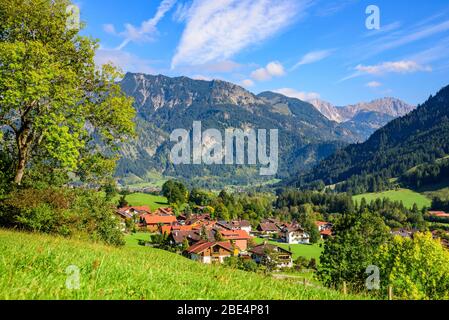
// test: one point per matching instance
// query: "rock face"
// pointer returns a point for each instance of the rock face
(366, 117)
(328, 110)
(164, 104)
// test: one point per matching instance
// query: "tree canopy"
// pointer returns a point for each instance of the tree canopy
(58, 109)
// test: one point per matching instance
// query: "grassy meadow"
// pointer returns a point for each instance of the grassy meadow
(33, 266)
(298, 250)
(144, 199)
(408, 197)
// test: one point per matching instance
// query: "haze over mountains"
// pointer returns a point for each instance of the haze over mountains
(306, 136)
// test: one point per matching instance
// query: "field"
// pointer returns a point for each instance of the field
(133, 240)
(298, 250)
(408, 197)
(144, 199)
(34, 266)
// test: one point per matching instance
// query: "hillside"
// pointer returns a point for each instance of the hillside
(406, 196)
(164, 104)
(419, 137)
(33, 267)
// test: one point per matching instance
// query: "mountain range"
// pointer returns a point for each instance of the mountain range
(366, 117)
(420, 137)
(306, 135)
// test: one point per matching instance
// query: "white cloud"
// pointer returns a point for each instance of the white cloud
(312, 57)
(374, 84)
(248, 83)
(421, 34)
(404, 66)
(219, 29)
(147, 30)
(126, 61)
(273, 69)
(182, 12)
(301, 95)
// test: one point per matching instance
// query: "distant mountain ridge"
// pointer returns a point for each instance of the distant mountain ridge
(389, 106)
(366, 117)
(417, 138)
(164, 104)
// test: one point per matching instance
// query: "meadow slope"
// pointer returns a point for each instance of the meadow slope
(408, 197)
(34, 266)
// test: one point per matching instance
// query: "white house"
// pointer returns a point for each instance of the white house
(295, 236)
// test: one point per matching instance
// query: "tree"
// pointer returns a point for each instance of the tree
(175, 192)
(200, 197)
(357, 236)
(54, 100)
(416, 268)
(204, 233)
(218, 236)
(122, 202)
(312, 230)
(185, 245)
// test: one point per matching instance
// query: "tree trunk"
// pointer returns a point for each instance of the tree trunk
(23, 141)
(20, 167)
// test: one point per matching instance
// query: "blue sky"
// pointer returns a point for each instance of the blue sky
(303, 48)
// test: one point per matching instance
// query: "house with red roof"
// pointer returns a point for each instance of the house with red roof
(210, 252)
(239, 238)
(266, 253)
(325, 229)
(153, 223)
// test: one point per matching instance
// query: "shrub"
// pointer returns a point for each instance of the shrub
(66, 212)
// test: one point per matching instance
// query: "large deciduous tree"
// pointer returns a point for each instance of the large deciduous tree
(56, 105)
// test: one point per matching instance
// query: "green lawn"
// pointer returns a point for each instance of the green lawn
(143, 199)
(408, 197)
(34, 266)
(298, 250)
(133, 240)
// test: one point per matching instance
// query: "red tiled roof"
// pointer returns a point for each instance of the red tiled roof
(321, 223)
(235, 234)
(439, 214)
(327, 232)
(166, 229)
(268, 226)
(153, 219)
(203, 245)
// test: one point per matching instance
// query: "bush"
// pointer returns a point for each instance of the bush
(66, 212)
(416, 268)
(301, 263)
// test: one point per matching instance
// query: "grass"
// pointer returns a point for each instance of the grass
(33, 266)
(408, 197)
(298, 250)
(144, 199)
(134, 240)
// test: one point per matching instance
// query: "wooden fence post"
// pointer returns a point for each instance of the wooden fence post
(345, 289)
(390, 292)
